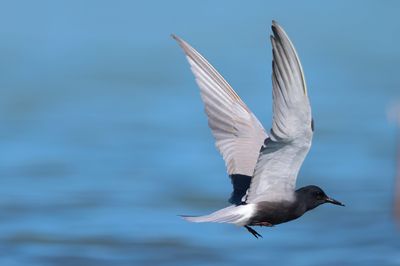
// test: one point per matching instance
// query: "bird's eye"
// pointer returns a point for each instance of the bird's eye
(319, 195)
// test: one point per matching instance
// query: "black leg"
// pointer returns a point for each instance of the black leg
(254, 232)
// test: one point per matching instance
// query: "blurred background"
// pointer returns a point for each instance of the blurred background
(104, 140)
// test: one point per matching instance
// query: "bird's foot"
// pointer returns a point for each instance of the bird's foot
(254, 232)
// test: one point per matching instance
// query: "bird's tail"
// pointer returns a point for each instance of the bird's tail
(238, 215)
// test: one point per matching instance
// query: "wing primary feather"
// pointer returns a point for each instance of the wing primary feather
(281, 157)
(238, 133)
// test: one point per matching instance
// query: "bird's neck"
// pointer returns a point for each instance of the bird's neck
(300, 204)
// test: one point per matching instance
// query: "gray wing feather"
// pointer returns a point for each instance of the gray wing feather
(282, 155)
(238, 133)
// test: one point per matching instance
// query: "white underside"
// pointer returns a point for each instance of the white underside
(238, 215)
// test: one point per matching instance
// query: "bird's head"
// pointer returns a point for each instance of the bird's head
(313, 196)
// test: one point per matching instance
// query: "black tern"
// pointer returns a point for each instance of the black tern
(263, 167)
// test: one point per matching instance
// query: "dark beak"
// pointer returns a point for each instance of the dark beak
(333, 201)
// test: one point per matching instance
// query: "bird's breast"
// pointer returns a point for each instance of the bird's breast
(275, 212)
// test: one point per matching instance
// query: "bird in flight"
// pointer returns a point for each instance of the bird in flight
(263, 167)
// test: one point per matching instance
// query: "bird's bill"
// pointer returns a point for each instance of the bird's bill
(333, 201)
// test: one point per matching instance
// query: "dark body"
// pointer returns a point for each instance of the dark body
(306, 198)
(276, 212)
(272, 213)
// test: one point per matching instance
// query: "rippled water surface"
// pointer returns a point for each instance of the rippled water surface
(104, 140)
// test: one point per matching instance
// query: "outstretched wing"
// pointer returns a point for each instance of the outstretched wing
(238, 133)
(290, 139)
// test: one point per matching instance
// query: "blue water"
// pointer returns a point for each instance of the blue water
(104, 140)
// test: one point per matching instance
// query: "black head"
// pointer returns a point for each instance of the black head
(313, 196)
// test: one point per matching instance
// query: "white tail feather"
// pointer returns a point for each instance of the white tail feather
(238, 215)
